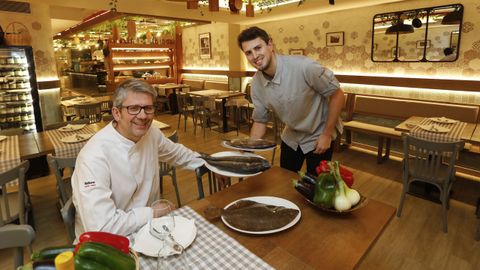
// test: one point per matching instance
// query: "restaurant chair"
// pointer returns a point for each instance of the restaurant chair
(62, 124)
(162, 104)
(68, 217)
(63, 177)
(185, 108)
(204, 111)
(12, 131)
(106, 105)
(17, 237)
(432, 163)
(91, 111)
(168, 170)
(237, 105)
(212, 185)
(15, 203)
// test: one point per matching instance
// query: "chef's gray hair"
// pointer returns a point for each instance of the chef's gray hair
(132, 85)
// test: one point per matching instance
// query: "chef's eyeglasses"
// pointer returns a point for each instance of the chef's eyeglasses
(135, 109)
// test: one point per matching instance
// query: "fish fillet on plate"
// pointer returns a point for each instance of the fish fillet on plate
(235, 164)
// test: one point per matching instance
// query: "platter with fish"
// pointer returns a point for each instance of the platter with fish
(249, 144)
(260, 215)
(235, 164)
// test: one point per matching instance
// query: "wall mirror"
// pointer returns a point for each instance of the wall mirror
(419, 35)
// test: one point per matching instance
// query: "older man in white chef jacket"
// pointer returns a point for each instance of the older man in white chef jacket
(116, 176)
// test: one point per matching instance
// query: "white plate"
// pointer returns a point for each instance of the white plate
(230, 154)
(184, 233)
(70, 127)
(434, 128)
(3, 137)
(271, 201)
(443, 120)
(226, 145)
(76, 138)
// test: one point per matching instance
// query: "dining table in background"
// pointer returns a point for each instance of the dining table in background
(170, 91)
(320, 240)
(219, 94)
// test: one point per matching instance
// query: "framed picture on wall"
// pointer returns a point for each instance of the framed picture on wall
(205, 46)
(423, 44)
(296, 52)
(335, 39)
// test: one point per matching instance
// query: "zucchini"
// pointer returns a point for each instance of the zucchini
(106, 255)
(50, 253)
(86, 264)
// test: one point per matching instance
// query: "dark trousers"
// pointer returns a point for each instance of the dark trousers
(293, 160)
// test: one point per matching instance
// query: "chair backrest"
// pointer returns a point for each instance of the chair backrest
(68, 216)
(165, 168)
(63, 177)
(62, 124)
(12, 131)
(91, 111)
(423, 159)
(18, 237)
(12, 203)
(183, 101)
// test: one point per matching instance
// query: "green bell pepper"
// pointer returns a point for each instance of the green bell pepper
(325, 189)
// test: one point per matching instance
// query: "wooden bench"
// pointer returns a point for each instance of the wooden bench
(399, 110)
(195, 84)
(218, 85)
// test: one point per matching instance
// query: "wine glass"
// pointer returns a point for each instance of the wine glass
(162, 226)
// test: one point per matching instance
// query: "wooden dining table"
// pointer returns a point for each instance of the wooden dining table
(219, 94)
(320, 240)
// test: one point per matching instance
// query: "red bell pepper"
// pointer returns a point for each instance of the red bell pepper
(346, 174)
(117, 241)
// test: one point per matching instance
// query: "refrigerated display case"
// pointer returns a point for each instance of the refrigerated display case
(19, 100)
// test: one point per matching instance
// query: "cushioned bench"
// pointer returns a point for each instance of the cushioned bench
(380, 108)
(195, 84)
(216, 85)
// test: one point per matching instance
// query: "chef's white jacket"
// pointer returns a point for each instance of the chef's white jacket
(115, 180)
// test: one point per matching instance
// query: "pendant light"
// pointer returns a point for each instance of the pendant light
(399, 28)
(454, 17)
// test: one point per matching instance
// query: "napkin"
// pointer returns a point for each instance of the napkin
(184, 233)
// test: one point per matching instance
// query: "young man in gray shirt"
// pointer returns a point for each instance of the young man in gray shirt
(303, 94)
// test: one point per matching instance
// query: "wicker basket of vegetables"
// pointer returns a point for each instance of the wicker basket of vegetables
(331, 190)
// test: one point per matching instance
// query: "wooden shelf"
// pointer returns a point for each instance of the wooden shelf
(121, 55)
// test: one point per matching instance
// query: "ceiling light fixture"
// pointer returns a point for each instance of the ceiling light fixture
(399, 28)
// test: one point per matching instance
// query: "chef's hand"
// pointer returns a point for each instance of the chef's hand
(222, 180)
(323, 143)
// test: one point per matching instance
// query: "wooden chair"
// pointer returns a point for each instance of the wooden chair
(423, 161)
(60, 167)
(62, 124)
(212, 183)
(162, 104)
(185, 108)
(204, 111)
(168, 170)
(91, 111)
(17, 237)
(68, 217)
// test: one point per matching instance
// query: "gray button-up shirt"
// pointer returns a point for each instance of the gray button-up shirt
(298, 95)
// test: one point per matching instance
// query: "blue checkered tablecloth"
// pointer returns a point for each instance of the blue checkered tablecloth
(212, 249)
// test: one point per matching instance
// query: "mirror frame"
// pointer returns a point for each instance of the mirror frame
(428, 10)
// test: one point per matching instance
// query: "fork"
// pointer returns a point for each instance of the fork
(178, 247)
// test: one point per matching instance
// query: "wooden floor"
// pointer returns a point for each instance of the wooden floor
(414, 241)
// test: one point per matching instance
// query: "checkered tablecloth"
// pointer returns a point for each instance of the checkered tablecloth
(9, 155)
(455, 133)
(67, 149)
(212, 249)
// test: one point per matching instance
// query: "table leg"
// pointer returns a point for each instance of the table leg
(173, 101)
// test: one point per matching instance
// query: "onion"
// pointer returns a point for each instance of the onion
(352, 195)
(341, 203)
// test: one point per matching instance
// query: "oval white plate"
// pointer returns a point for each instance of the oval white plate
(76, 138)
(443, 120)
(184, 233)
(226, 145)
(434, 128)
(70, 127)
(271, 201)
(230, 154)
